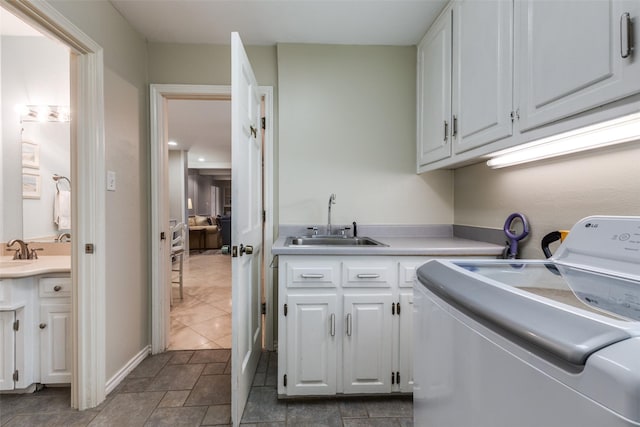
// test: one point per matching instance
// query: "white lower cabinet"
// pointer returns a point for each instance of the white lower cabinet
(55, 330)
(367, 348)
(345, 324)
(311, 335)
(405, 344)
(55, 343)
(7, 352)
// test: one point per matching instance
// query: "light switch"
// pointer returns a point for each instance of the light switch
(111, 181)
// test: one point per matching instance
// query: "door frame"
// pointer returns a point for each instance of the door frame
(88, 206)
(160, 266)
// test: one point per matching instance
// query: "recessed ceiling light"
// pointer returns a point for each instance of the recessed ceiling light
(173, 143)
(201, 159)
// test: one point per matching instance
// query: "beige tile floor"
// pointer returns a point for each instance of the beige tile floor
(202, 320)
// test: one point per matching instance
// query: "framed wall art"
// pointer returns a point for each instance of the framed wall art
(30, 184)
(30, 155)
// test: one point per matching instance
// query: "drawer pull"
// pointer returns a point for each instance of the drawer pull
(312, 276)
(349, 324)
(368, 276)
(43, 325)
(57, 288)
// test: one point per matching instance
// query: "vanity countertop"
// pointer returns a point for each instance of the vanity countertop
(34, 267)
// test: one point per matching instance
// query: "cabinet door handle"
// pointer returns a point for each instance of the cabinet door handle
(57, 288)
(333, 324)
(43, 325)
(368, 276)
(311, 276)
(626, 42)
(349, 324)
(455, 127)
(446, 130)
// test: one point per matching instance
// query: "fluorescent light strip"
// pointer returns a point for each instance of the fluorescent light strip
(617, 131)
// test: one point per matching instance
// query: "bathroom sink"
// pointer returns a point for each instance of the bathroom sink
(332, 241)
(14, 263)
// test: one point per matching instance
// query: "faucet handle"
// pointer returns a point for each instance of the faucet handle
(314, 229)
(344, 230)
(34, 254)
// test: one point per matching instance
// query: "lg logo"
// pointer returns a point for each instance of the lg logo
(590, 225)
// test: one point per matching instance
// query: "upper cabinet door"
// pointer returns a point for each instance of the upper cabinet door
(434, 92)
(482, 73)
(570, 57)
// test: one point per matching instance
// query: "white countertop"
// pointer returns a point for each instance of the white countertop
(425, 241)
(34, 267)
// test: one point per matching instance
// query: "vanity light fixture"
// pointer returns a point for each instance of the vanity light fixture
(43, 113)
(616, 131)
(173, 143)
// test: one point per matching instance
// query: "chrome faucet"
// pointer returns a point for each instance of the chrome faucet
(332, 201)
(22, 252)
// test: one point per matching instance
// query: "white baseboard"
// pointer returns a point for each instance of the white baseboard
(113, 382)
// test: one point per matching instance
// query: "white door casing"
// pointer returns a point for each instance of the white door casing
(246, 226)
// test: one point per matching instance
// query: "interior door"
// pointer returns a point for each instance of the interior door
(246, 226)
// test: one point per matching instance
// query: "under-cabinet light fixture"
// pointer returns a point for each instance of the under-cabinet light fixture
(616, 131)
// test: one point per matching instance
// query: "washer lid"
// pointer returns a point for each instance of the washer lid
(485, 293)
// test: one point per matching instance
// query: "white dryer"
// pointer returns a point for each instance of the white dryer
(515, 343)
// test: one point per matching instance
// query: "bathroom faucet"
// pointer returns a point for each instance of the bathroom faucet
(63, 237)
(332, 201)
(22, 252)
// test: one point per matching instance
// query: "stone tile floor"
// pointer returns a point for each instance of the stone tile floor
(192, 388)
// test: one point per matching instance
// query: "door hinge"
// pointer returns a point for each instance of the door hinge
(263, 308)
(393, 308)
(88, 248)
(286, 309)
(284, 380)
(162, 236)
(398, 308)
(264, 216)
(263, 122)
(398, 377)
(16, 375)
(515, 115)
(393, 377)
(16, 325)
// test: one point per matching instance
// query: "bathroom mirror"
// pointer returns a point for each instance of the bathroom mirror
(35, 144)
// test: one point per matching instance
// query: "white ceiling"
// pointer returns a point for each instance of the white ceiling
(267, 22)
(203, 128)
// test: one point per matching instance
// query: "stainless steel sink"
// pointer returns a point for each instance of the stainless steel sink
(332, 241)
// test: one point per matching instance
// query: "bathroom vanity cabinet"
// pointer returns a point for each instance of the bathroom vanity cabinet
(35, 331)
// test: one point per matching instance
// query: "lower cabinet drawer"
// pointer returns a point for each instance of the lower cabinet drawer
(316, 274)
(55, 287)
(381, 274)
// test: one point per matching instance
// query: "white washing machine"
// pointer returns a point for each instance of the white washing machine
(515, 343)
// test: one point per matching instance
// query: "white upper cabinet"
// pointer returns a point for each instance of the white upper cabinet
(434, 92)
(522, 70)
(570, 57)
(482, 83)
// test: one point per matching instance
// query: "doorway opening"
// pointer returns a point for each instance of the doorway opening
(87, 311)
(162, 218)
(199, 144)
